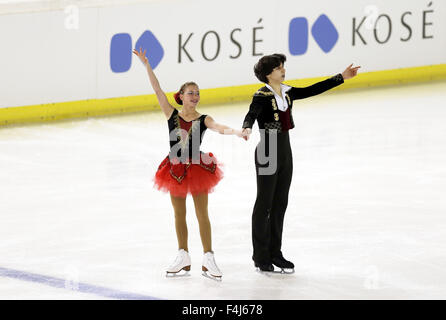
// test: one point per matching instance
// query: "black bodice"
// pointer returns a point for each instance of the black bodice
(185, 136)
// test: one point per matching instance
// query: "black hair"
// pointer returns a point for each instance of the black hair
(266, 65)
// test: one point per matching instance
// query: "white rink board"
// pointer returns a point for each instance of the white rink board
(58, 56)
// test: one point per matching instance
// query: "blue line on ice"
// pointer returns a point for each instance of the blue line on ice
(80, 287)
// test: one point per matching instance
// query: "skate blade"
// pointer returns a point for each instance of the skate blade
(210, 276)
(180, 274)
(266, 273)
(274, 272)
(285, 271)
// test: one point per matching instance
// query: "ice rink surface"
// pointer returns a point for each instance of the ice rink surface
(366, 219)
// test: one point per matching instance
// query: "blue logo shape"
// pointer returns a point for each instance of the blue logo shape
(121, 50)
(298, 36)
(155, 51)
(325, 33)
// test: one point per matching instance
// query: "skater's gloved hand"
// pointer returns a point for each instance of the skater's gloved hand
(350, 72)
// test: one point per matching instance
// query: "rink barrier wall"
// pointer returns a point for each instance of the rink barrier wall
(113, 106)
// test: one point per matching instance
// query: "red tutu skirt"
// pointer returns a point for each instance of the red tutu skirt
(181, 179)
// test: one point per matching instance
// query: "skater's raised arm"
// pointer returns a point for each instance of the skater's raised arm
(161, 96)
(221, 128)
(322, 86)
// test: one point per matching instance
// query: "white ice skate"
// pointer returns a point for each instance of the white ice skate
(181, 266)
(209, 267)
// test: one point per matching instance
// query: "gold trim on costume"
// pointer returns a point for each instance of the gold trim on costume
(265, 93)
(288, 98)
(273, 101)
(211, 169)
(193, 127)
(179, 179)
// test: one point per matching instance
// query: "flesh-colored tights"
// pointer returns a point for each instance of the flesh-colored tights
(201, 210)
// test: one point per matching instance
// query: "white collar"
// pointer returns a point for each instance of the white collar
(282, 103)
(284, 88)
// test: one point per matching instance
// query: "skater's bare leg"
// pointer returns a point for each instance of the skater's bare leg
(201, 210)
(179, 207)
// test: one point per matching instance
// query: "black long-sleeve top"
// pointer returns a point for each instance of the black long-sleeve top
(263, 107)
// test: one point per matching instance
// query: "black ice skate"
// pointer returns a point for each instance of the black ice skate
(285, 265)
(264, 267)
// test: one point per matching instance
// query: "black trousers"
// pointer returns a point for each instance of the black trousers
(272, 200)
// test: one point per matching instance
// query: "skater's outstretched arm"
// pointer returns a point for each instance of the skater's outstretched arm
(322, 86)
(161, 96)
(221, 128)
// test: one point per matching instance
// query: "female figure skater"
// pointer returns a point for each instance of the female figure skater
(271, 106)
(187, 170)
